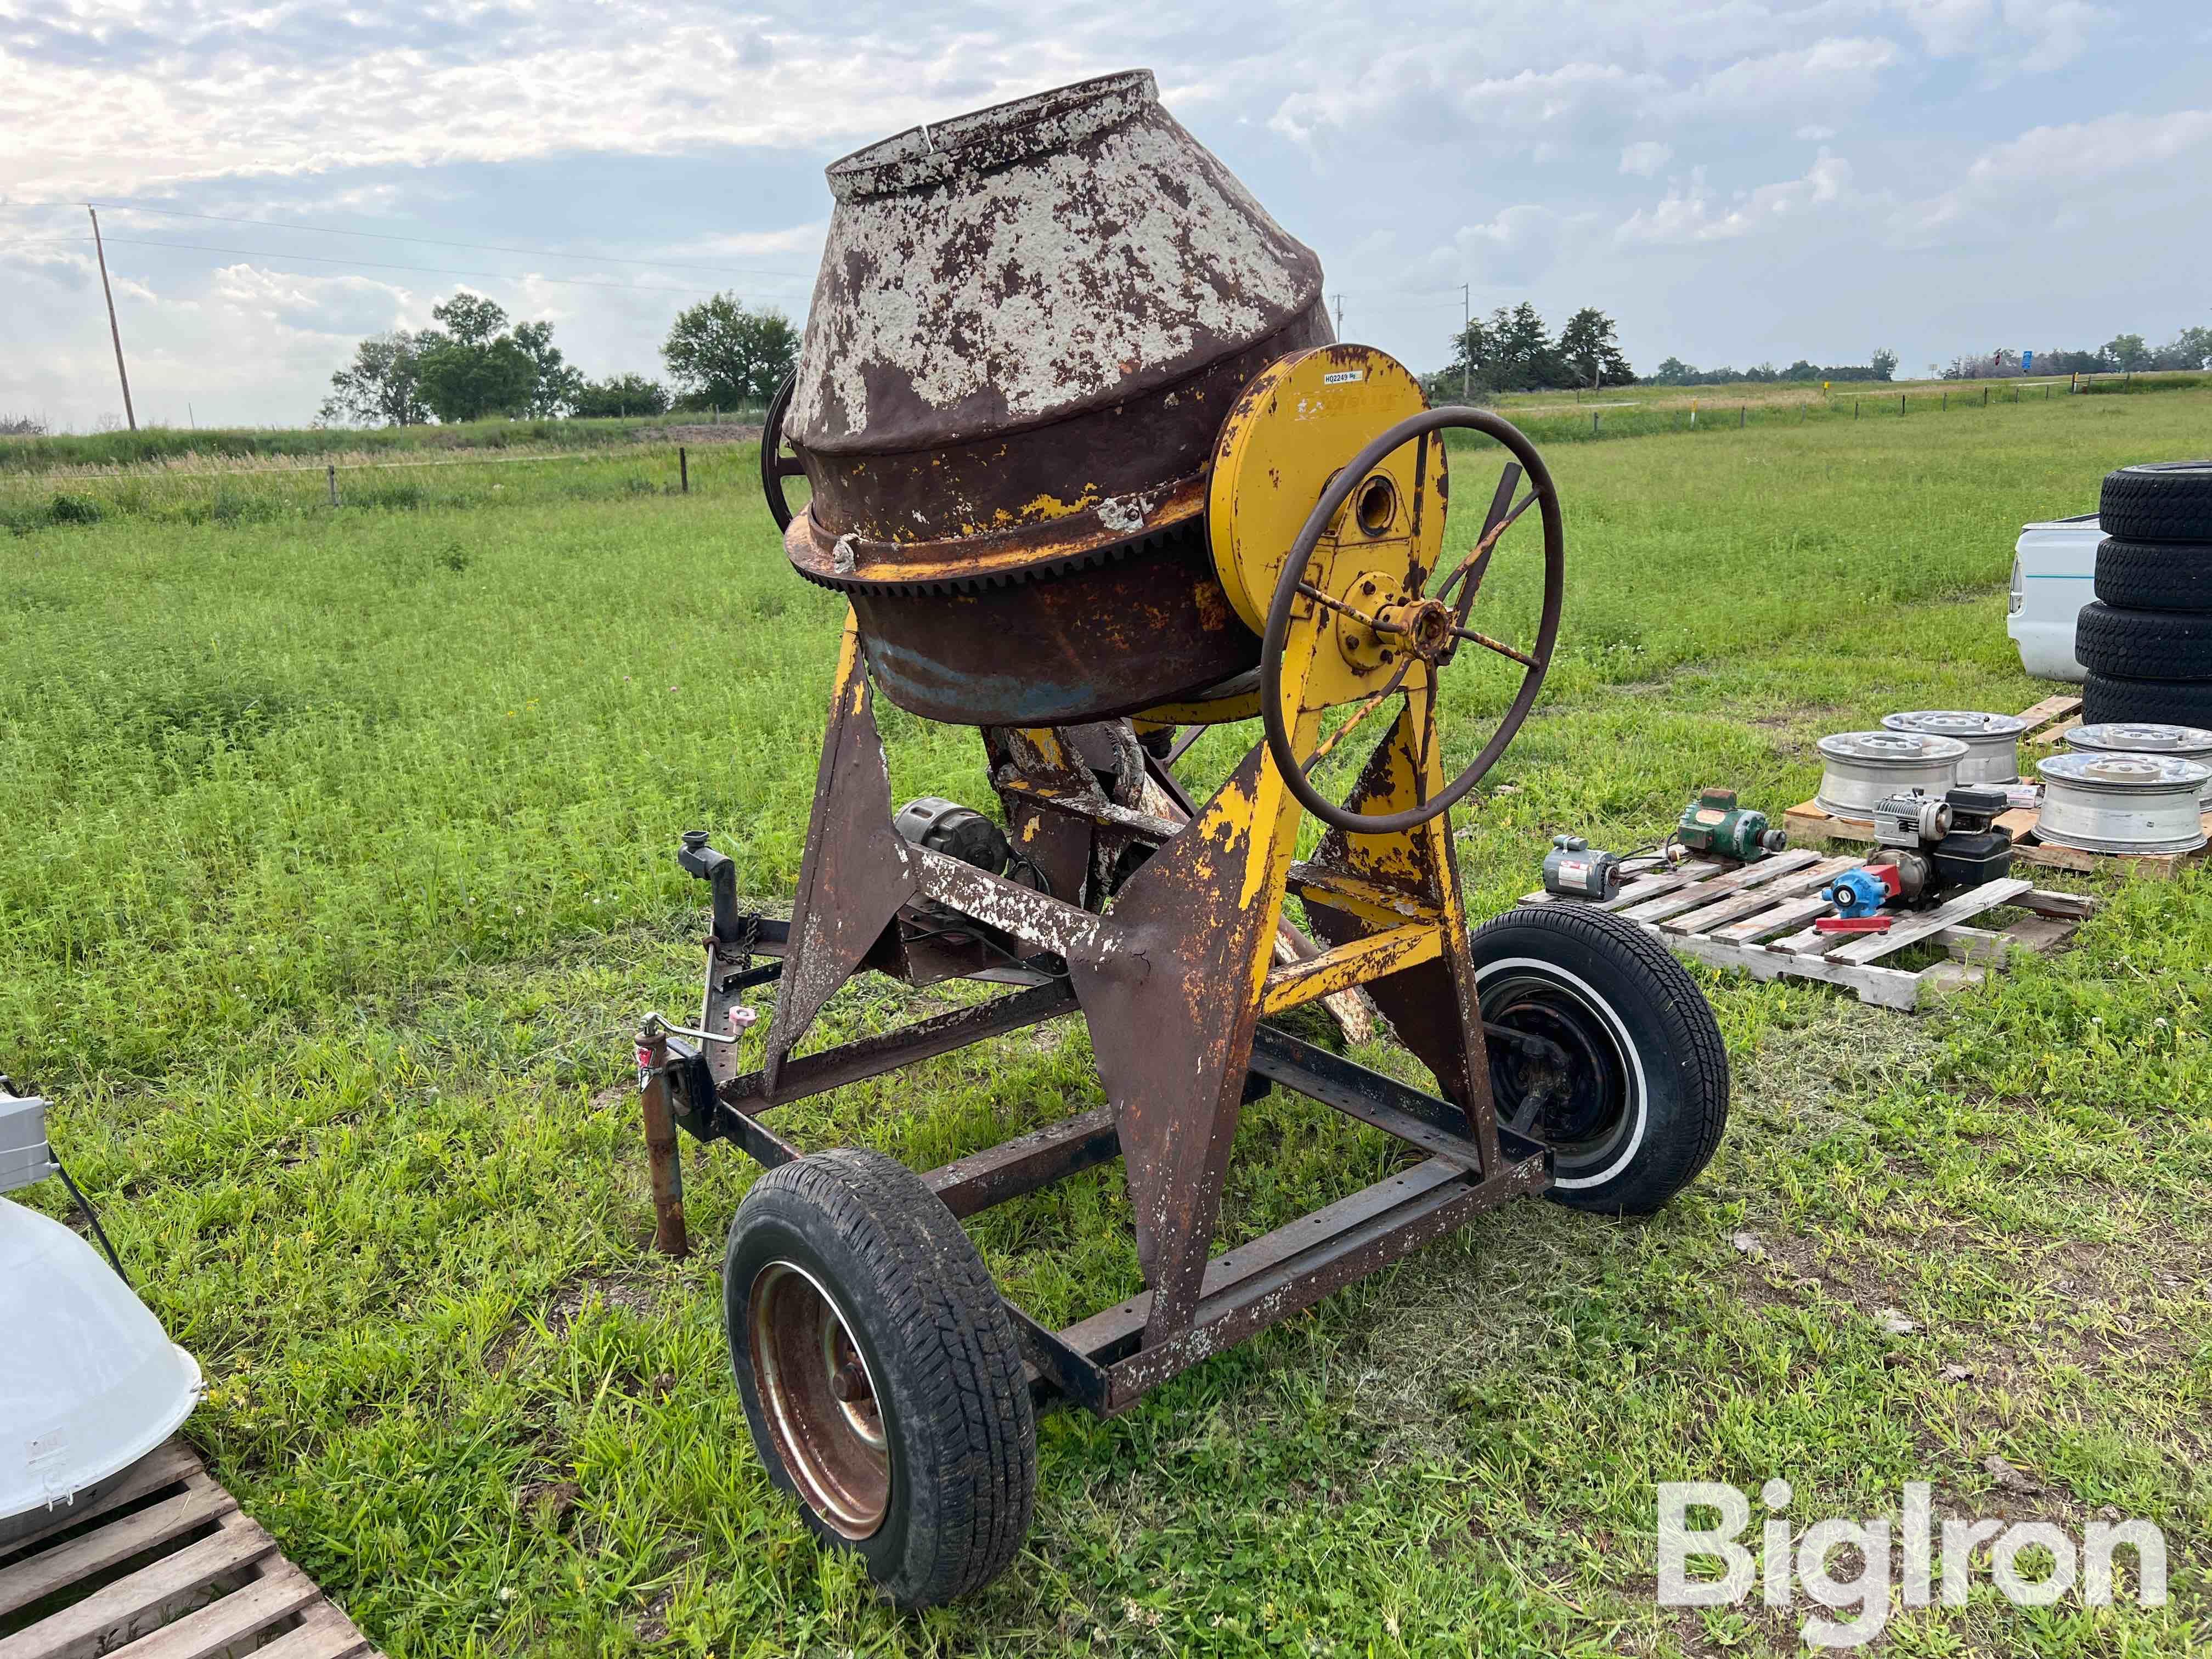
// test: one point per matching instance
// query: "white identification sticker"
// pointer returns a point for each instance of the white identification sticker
(1343, 375)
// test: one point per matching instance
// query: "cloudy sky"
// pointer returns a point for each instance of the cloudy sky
(1733, 180)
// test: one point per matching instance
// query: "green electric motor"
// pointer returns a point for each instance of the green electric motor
(1714, 824)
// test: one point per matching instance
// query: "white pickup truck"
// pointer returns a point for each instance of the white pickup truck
(2053, 565)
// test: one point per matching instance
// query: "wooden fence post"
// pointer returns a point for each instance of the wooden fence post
(331, 472)
(684, 468)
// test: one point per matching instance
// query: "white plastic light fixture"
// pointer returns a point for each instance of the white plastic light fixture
(89, 1382)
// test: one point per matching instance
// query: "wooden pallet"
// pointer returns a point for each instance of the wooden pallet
(163, 1565)
(2049, 722)
(1758, 918)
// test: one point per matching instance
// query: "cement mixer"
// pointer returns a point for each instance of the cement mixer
(1090, 469)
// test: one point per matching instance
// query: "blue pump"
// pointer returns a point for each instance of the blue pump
(1856, 893)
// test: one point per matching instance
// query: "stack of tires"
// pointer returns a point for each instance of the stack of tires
(2148, 640)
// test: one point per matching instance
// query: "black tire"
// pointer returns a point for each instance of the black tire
(2160, 702)
(1648, 1090)
(2154, 576)
(943, 1378)
(2144, 645)
(2162, 501)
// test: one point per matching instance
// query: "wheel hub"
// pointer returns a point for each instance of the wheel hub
(820, 1401)
(1571, 1102)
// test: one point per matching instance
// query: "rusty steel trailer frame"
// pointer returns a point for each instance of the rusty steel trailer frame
(1177, 981)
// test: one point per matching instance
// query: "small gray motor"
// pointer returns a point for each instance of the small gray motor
(957, 831)
(1572, 869)
(24, 1158)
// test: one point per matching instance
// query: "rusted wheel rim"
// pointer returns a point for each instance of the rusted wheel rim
(820, 1399)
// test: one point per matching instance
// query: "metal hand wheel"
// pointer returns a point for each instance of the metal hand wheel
(775, 466)
(1427, 629)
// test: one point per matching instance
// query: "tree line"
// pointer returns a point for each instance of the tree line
(1880, 366)
(2123, 354)
(1513, 350)
(475, 366)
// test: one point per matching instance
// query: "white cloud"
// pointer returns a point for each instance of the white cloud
(1815, 134)
(1437, 97)
(1692, 213)
(2048, 168)
(2012, 36)
(1833, 74)
(1645, 157)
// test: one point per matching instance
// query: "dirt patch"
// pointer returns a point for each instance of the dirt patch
(579, 1293)
(651, 1624)
(568, 1303)
(548, 1502)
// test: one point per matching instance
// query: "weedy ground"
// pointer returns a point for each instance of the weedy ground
(337, 870)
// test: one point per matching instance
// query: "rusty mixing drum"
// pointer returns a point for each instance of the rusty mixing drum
(1030, 324)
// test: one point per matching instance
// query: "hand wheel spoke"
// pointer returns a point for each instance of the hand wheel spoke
(1500, 498)
(1358, 715)
(789, 466)
(1340, 607)
(1476, 564)
(1499, 645)
(1428, 739)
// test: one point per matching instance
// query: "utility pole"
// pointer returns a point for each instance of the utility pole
(1340, 316)
(113, 332)
(1466, 326)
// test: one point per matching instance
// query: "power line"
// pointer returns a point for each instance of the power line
(379, 264)
(430, 242)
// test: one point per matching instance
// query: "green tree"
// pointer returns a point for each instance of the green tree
(558, 383)
(472, 366)
(2191, 348)
(475, 382)
(618, 395)
(2128, 352)
(470, 319)
(1590, 349)
(1884, 363)
(380, 385)
(1522, 357)
(723, 355)
(1468, 372)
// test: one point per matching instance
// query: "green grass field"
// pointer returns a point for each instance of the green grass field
(339, 871)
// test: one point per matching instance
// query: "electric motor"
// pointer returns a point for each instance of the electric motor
(1714, 824)
(958, 832)
(1573, 869)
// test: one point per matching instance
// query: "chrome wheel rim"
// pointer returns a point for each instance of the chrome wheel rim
(819, 1398)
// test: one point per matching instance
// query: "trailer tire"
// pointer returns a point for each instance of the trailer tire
(2158, 502)
(845, 1272)
(2154, 576)
(2144, 645)
(2108, 697)
(1647, 1092)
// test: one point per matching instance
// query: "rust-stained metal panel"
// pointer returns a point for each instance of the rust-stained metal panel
(1172, 1003)
(856, 871)
(1013, 268)
(1029, 325)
